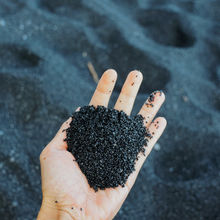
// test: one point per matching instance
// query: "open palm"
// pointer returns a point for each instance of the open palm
(65, 188)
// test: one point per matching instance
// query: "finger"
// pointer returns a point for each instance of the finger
(129, 92)
(151, 106)
(104, 88)
(58, 141)
(77, 109)
(156, 129)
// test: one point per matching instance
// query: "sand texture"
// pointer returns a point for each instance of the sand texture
(44, 49)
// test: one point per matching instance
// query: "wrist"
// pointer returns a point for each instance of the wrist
(49, 211)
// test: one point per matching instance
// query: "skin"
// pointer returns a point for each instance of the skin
(66, 193)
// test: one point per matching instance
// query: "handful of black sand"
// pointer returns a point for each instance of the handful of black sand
(106, 143)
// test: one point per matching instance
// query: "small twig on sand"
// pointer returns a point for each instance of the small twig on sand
(93, 72)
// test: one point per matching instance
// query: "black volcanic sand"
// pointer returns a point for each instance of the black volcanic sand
(44, 50)
(106, 144)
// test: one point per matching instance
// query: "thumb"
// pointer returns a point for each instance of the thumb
(58, 141)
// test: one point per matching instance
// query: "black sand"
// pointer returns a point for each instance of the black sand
(106, 143)
(44, 49)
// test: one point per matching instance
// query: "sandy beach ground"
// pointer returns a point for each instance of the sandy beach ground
(44, 50)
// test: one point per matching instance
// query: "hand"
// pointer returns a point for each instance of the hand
(66, 193)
